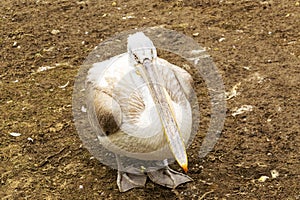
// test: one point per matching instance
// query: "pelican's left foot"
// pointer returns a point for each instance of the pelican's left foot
(168, 177)
(127, 181)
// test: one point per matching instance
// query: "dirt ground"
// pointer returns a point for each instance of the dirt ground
(255, 45)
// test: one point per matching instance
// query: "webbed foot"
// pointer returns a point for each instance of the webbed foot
(168, 177)
(127, 181)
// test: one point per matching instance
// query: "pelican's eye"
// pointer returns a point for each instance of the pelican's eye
(136, 58)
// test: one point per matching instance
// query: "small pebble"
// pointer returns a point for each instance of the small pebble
(14, 134)
(54, 32)
(274, 173)
(263, 179)
(221, 39)
(83, 109)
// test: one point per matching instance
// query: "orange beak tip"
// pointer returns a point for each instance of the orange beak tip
(185, 168)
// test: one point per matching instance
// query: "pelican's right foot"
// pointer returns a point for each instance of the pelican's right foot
(127, 181)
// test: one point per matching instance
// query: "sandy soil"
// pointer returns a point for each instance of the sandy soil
(255, 45)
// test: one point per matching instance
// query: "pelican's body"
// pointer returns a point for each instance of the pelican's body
(125, 92)
(131, 123)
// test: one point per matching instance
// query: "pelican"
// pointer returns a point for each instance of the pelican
(143, 108)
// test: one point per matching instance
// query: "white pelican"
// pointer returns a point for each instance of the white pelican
(143, 107)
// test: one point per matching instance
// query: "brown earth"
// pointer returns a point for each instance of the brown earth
(260, 53)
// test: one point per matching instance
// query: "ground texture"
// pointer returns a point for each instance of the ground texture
(255, 45)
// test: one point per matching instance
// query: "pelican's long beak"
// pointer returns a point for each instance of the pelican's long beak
(165, 110)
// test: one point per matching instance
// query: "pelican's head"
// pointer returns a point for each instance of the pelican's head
(140, 48)
(143, 55)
